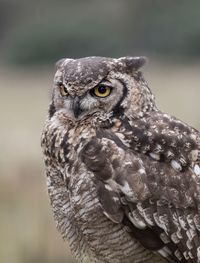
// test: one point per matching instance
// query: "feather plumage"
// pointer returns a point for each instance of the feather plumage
(123, 177)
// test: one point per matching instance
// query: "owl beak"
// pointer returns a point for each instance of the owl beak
(76, 107)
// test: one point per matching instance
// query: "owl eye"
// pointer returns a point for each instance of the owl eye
(101, 91)
(63, 90)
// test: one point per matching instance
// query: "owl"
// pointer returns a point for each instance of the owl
(123, 177)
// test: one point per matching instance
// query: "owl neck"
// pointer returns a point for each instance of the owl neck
(138, 113)
(137, 99)
(137, 107)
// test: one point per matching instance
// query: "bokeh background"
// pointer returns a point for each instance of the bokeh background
(33, 36)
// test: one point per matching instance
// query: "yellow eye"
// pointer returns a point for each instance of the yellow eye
(101, 91)
(63, 90)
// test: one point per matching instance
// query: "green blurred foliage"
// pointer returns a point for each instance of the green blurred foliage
(43, 31)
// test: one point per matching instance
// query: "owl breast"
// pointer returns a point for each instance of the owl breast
(73, 194)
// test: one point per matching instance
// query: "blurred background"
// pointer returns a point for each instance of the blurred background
(33, 36)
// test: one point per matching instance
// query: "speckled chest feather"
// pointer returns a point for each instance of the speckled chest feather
(74, 194)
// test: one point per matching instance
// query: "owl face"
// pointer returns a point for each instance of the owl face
(95, 85)
(78, 103)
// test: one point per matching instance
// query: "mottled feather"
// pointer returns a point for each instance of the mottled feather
(123, 177)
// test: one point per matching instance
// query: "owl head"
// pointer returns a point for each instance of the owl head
(101, 86)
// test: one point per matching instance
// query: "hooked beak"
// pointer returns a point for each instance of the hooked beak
(76, 107)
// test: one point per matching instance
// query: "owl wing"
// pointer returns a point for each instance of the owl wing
(158, 204)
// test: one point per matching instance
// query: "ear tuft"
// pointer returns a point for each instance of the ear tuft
(61, 62)
(133, 63)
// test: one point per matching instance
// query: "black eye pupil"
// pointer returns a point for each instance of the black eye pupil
(102, 89)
